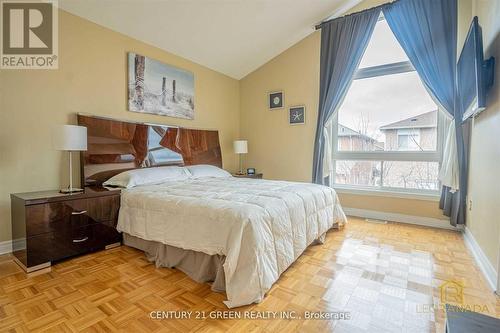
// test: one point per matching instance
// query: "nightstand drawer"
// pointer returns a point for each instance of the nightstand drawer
(54, 246)
(62, 215)
(87, 239)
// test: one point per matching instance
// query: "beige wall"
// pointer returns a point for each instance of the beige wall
(282, 151)
(279, 150)
(91, 78)
(483, 216)
(404, 206)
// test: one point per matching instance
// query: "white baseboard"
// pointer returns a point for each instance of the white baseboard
(394, 217)
(482, 261)
(5, 247)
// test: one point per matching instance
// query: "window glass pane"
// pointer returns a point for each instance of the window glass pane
(383, 47)
(157, 154)
(164, 156)
(363, 173)
(411, 175)
(408, 139)
(390, 112)
(403, 142)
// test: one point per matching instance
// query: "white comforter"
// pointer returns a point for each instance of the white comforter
(261, 226)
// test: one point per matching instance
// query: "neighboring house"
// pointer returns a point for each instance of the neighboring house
(418, 133)
(351, 140)
(355, 172)
(415, 133)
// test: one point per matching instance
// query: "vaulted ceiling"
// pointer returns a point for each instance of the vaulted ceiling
(233, 37)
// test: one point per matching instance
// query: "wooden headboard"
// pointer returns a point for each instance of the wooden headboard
(114, 146)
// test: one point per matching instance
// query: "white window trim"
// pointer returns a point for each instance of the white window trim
(417, 156)
(400, 193)
(381, 70)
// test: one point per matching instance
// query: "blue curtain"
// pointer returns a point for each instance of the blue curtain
(343, 43)
(427, 31)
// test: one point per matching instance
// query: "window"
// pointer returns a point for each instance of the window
(157, 154)
(388, 131)
(409, 139)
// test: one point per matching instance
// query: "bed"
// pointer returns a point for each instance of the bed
(239, 234)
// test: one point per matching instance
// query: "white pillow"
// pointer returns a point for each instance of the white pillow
(147, 176)
(205, 170)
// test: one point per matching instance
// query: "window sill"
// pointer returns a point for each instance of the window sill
(427, 196)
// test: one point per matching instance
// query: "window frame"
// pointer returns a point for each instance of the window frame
(395, 155)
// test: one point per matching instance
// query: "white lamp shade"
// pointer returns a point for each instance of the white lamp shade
(70, 138)
(240, 146)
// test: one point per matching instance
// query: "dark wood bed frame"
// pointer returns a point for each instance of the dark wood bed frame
(114, 146)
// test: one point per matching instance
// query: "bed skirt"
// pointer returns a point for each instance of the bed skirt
(199, 266)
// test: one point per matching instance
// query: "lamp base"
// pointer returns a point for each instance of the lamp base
(71, 190)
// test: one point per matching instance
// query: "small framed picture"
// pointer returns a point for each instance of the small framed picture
(276, 100)
(297, 115)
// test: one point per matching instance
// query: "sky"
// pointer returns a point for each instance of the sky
(385, 99)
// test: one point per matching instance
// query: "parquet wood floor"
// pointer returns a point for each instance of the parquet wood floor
(386, 276)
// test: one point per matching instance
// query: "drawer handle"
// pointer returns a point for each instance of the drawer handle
(79, 213)
(80, 240)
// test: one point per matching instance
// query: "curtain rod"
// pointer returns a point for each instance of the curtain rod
(318, 26)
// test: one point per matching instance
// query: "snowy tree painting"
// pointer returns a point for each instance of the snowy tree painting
(158, 88)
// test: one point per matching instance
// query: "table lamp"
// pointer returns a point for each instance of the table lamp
(240, 147)
(70, 138)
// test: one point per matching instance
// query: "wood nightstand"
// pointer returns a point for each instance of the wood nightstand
(255, 176)
(49, 226)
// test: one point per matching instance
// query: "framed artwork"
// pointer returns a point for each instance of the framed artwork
(158, 88)
(297, 115)
(276, 100)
